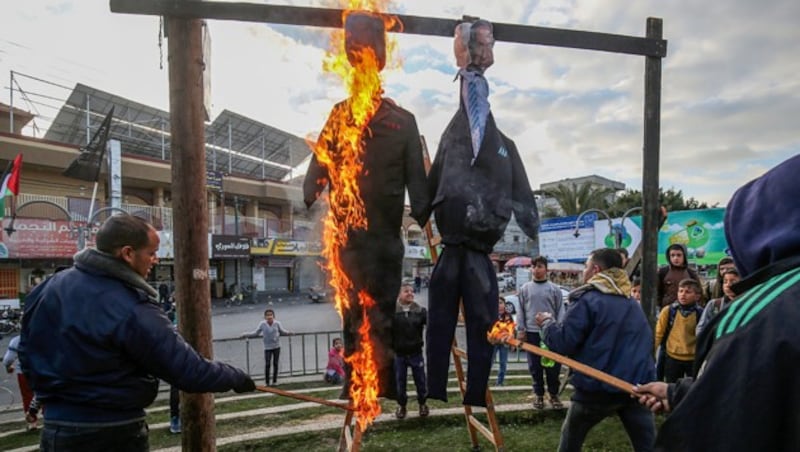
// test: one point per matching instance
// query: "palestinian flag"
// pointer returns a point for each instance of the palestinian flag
(10, 184)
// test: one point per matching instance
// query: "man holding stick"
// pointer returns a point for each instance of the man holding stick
(744, 393)
(605, 329)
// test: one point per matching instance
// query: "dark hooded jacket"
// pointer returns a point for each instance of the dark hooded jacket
(748, 357)
(95, 342)
(473, 200)
(669, 276)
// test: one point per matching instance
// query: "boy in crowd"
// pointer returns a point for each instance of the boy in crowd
(540, 295)
(670, 275)
(730, 277)
(271, 330)
(675, 332)
(409, 322)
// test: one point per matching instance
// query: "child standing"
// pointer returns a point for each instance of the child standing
(675, 331)
(271, 330)
(501, 350)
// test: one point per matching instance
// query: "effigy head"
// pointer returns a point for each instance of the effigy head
(364, 32)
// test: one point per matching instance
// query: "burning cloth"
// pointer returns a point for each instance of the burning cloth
(388, 161)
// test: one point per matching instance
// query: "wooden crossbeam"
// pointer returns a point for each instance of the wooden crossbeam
(431, 26)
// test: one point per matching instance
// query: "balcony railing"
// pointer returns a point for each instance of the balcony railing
(159, 217)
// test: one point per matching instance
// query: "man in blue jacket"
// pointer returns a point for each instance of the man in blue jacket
(95, 342)
(605, 329)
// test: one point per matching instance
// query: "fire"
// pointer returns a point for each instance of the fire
(500, 332)
(340, 150)
(364, 378)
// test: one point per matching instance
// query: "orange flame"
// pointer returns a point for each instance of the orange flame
(364, 378)
(340, 150)
(500, 332)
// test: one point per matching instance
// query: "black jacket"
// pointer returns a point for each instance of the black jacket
(392, 162)
(408, 328)
(473, 202)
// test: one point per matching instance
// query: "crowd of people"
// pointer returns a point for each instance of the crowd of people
(95, 342)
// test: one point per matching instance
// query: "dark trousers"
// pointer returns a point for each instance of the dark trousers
(675, 369)
(174, 401)
(463, 275)
(374, 263)
(581, 417)
(538, 372)
(417, 365)
(123, 438)
(271, 355)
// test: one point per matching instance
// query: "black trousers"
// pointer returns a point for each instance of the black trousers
(374, 263)
(464, 275)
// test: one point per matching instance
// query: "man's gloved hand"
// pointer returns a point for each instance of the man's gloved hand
(248, 385)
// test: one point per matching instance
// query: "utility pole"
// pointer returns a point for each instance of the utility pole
(187, 114)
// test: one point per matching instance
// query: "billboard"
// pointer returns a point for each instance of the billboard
(701, 231)
(557, 240)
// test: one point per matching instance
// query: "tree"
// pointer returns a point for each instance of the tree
(574, 199)
(671, 199)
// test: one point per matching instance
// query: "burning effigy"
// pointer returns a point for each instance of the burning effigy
(368, 153)
(477, 180)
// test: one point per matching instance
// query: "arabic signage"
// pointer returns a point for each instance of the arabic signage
(230, 246)
(35, 238)
(282, 247)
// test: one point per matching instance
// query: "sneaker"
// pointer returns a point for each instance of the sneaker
(175, 424)
(555, 402)
(538, 402)
(400, 413)
(424, 410)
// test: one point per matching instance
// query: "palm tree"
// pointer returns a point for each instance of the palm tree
(574, 199)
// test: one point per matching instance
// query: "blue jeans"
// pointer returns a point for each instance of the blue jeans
(417, 365)
(581, 417)
(501, 350)
(540, 373)
(122, 438)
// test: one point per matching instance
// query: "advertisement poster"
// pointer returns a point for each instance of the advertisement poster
(558, 240)
(622, 234)
(701, 231)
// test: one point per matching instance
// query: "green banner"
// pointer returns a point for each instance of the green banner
(701, 231)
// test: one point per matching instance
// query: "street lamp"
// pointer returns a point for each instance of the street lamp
(577, 233)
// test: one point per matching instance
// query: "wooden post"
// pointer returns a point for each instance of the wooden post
(650, 207)
(190, 217)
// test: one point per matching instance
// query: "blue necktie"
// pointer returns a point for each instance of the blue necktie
(476, 126)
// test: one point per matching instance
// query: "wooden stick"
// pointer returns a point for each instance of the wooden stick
(609, 379)
(306, 398)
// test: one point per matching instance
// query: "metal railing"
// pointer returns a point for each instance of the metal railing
(301, 354)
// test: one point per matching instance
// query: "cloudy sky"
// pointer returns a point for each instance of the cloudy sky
(730, 99)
